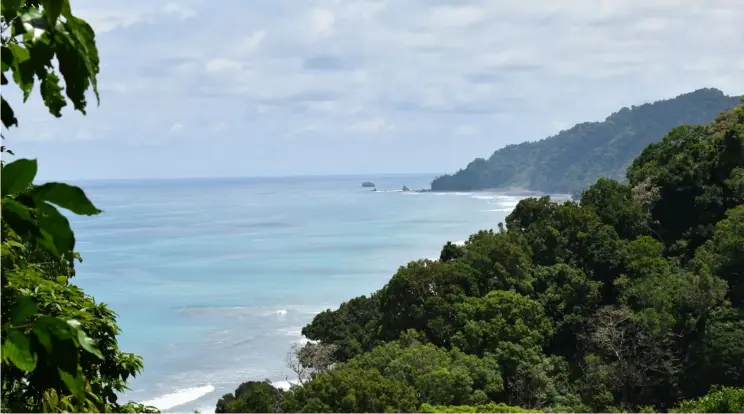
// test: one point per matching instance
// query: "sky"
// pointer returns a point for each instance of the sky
(198, 88)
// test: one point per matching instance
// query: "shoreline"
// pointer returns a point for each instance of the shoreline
(190, 397)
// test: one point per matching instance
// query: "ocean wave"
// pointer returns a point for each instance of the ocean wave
(291, 331)
(296, 333)
(510, 202)
(453, 193)
(284, 385)
(256, 310)
(180, 397)
(207, 409)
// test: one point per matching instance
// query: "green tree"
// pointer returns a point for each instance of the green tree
(422, 295)
(614, 204)
(486, 408)
(352, 328)
(719, 400)
(696, 170)
(723, 254)
(569, 298)
(719, 360)
(252, 397)
(351, 390)
(438, 376)
(59, 349)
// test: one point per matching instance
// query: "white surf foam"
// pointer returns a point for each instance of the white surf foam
(506, 203)
(455, 193)
(180, 397)
(207, 409)
(285, 385)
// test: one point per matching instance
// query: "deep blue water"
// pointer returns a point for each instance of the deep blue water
(214, 278)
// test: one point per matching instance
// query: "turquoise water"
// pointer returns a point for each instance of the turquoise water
(214, 279)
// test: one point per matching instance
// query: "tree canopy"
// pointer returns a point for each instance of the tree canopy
(630, 299)
(59, 346)
(571, 160)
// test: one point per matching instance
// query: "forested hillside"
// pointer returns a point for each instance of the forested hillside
(572, 160)
(630, 300)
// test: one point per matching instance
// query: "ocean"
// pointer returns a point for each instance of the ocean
(213, 279)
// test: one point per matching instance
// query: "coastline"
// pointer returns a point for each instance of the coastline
(492, 206)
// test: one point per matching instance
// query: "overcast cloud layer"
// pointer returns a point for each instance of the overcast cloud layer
(285, 87)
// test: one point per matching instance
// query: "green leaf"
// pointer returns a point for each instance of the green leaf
(17, 176)
(6, 56)
(6, 114)
(31, 14)
(78, 60)
(66, 196)
(73, 68)
(52, 8)
(17, 348)
(24, 308)
(41, 53)
(23, 73)
(74, 383)
(10, 8)
(11, 206)
(56, 226)
(43, 335)
(88, 344)
(51, 92)
(86, 38)
(18, 218)
(54, 326)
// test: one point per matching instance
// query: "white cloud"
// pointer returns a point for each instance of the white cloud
(250, 43)
(105, 16)
(455, 16)
(176, 128)
(417, 72)
(321, 23)
(465, 130)
(370, 126)
(222, 65)
(179, 10)
(219, 127)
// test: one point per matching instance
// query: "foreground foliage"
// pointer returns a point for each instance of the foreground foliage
(573, 159)
(59, 347)
(630, 300)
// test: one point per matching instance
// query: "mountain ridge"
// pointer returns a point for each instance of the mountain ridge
(574, 158)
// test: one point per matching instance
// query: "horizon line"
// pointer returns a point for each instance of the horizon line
(251, 177)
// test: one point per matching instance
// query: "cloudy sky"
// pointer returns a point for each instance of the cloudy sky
(196, 88)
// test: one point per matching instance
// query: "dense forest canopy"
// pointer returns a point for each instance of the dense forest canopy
(631, 299)
(573, 159)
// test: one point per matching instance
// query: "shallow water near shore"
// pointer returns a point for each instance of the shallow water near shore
(213, 279)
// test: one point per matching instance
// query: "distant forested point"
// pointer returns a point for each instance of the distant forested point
(574, 159)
